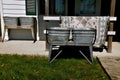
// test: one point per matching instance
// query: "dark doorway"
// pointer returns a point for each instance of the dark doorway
(105, 11)
(117, 23)
(105, 7)
(71, 7)
(41, 7)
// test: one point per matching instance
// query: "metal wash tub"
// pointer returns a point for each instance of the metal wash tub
(83, 36)
(57, 36)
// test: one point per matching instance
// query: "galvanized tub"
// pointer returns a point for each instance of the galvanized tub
(57, 35)
(26, 22)
(11, 22)
(83, 35)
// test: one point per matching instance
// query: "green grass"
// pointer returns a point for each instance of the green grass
(15, 67)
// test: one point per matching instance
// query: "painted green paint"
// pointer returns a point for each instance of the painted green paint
(30, 7)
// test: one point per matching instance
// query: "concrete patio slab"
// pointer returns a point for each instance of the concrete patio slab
(23, 48)
(112, 66)
(38, 48)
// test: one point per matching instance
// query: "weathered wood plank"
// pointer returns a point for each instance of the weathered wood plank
(112, 13)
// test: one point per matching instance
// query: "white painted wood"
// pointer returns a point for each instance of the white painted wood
(51, 18)
(111, 33)
(14, 2)
(113, 18)
(2, 22)
(14, 11)
(12, 15)
(13, 6)
(0, 7)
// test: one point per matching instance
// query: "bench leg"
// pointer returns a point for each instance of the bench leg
(33, 35)
(90, 60)
(50, 55)
(91, 53)
(4, 35)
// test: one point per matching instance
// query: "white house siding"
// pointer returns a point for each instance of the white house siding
(0, 8)
(14, 8)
